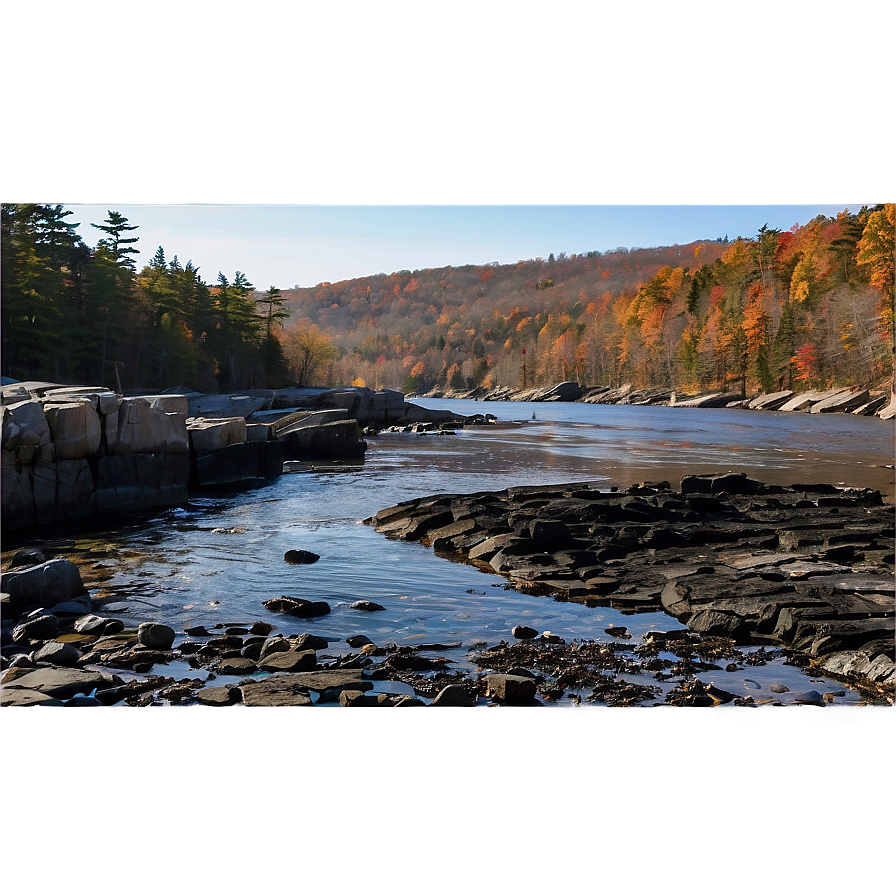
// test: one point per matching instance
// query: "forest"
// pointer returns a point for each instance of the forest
(809, 307)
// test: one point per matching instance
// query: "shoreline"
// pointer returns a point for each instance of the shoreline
(245, 662)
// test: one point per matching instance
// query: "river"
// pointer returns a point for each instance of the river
(217, 558)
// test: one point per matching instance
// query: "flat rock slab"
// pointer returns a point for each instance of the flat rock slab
(807, 567)
(292, 688)
(13, 696)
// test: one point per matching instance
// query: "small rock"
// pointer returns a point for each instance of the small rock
(551, 638)
(617, 631)
(368, 606)
(22, 661)
(91, 624)
(296, 557)
(155, 635)
(809, 698)
(218, 696)
(358, 641)
(454, 695)
(41, 628)
(306, 641)
(27, 557)
(274, 645)
(779, 688)
(523, 632)
(295, 606)
(239, 665)
(83, 701)
(57, 654)
(511, 688)
(408, 700)
(261, 628)
(289, 661)
(197, 631)
(731, 667)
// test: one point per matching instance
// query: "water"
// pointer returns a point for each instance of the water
(215, 560)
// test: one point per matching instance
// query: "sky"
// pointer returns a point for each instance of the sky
(303, 245)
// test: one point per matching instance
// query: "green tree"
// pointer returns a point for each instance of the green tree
(120, 246)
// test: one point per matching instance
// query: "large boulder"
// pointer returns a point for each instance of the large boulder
(207, 436)
(44, 585)
(339, 440)
(132, 482)
(242, 464)
(26, 433)
(138, 428)
(75, 427)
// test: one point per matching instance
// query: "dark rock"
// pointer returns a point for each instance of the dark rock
(779, 688)
(809, 698)
(524, 632)
(306, 641)
(368, 606)
(408, 700)
(289, 661)
(297, 557)
(275, 644)
(91, 624)
(261, 628)
(197, 631)
(57, 654)
(63, 683)
(618, 631)
(41, 628)
(155, 635)
(295, 606)
(278, 690)
(510, 688)
(252, 651)
(83, 701)
(218, 696)
(236, 666)
(358, 640)
(27, 557)
(454, 695)
(44, 585)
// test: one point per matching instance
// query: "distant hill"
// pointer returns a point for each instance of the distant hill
(810, 306)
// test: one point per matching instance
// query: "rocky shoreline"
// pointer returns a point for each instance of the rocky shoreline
(756, 573)
(853, 400)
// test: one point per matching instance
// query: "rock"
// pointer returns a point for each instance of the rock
(41, 628)
(289, 661)
(408, 700)
(454, 695)
(44, 585)
(238, 665)
(617, 631)
(809, 698)
(511, 688)
(275, 644)
(83, 701)
(297, 557)
(76, 607)
(306, 641)
(358, 640)
(75, 428)
(218, 696)
(368, 606)
(27, 557)
(779, 688)
(294, 606)
(57, 654)
(242, 465)
(770, 402)
(523, 632)
(337, 440)
(138, 428)
(17, 696)
(278, 690)
(130, 482)
(62, 683)
(91, 624)
(208, 435)
(844, 401)
(155, 636)
(260, 628)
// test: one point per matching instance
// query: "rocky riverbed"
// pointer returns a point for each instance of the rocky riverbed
(758, 574)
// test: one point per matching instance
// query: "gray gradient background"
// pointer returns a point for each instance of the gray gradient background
(655, 102)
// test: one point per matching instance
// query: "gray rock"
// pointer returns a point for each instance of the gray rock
(779, 688)
(278, 690)
(62, 683)
(57, 654)
(155, 635)
(275, 644)
(45, 585)
(238, 665)
(454, 695)
(218, 696)
(78, 606)
(14, 696)
(511, 688)
(368, 606)
(296, 606)
(91, 624)
(306, 641)
(289, 661)
(523, 632)
(809, 698)
(41, 628)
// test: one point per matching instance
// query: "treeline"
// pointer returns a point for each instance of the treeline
(807, 307)
(72, 313)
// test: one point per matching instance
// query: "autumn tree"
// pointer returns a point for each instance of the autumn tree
(307, 349)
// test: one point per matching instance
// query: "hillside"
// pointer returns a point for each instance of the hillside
(808, 307)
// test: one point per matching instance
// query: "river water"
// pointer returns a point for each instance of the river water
(214, 560)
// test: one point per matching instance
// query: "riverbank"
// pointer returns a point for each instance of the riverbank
(61, 646)
(860, 401)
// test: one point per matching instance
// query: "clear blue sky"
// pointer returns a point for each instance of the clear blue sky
(288, 245)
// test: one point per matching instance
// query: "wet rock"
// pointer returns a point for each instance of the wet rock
(511, 689)
(779, 688)
(454, 695)
(63, 683)
(218, 696)
(809, 698)
(252, 651)
(278, 690)
(289, 661)
(197, 631)
(358, 640)
(27, 557)
(306, 641)
(236, 666)
(41, 628)
(57, 654)
(275, 644)
(296, 606)
(83, 701)
(524, 632)
(368, 606)
(15, 696)
(297, 557)
(618, 631)
(90, 624)
(155, 635)
(44, 585)
(261, 628)
(408, 700)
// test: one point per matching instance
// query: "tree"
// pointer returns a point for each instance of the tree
(120, 246)
(876, 252)
(306, 349)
